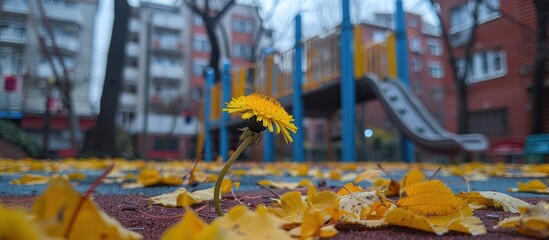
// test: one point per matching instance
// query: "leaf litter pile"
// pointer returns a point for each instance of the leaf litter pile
(369, 203)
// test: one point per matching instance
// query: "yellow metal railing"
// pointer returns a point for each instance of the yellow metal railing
(273, 75)
(216, 105)
(322, 61)
(375, 58)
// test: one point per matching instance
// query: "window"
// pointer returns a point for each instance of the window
(485, 65)
(437, 94)
(166, 144)
(166, 61)
(201, 43)
(415, 45)
(242, 25)
(434, 48)
(197, 20)
(435, 70)
(198, 67)
(488, 10)
(489, 122)
(166, 40)
(416, 64)
(241, 50)
(378, 36)
(417, 87)
(413, 23)
(461, 17)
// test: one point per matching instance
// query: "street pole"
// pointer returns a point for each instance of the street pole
(145, 147)
(226, 97)
(297, 108)
(207, 111)
(347, 88)
(406, 147)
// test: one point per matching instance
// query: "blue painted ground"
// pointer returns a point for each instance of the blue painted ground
(248, 184)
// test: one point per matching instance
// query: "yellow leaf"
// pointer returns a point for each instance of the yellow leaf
(285, 185)
(412, 177)
(430, 198)
(496, 199)
(76, 176)
(167, 199)
(188, 228)
(534, 222)
(535, 186)
(321, 201)
(149, 177)
(438, 225)
(188, 199)
(291, 208)
(355, 203)
(335, 175)
(14, 225)
(31, 179)
(368, 175)
(349, 187)
(54, 209)
(313, 226)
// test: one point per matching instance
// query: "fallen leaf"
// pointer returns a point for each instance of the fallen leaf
(368, 175)
(14, 224)
(533, 222)
(313, 226)
(31, 179)
(349, 188)
(238, 223)
(412, 177)
(430, 198)
(285, 185)
(495, 199)
(55, 208)
(533, 186)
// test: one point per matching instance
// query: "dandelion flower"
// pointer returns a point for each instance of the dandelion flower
(263, 112)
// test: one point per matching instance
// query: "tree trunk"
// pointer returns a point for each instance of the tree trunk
(102, 139)
(215, 54)
(539, 66)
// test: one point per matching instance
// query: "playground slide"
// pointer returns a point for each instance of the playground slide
(412, 118)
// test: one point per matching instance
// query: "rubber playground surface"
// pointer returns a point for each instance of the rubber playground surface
(130, 206)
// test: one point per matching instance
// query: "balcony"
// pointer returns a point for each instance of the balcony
(15, 6)
(169, 72)
(12, 36)
(169, 21)
(61, 12)
(131, 74)
(133, 25)
(10, 102)
(127, 101)
(132, 49)
(67, 43)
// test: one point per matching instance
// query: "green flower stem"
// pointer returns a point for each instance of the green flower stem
(217, 189)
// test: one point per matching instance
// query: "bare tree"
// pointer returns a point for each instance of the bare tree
(102, 139)
(542, 10)
(62, 80)
(211, 19)
(460, 75)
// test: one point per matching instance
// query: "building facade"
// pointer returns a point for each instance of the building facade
(160, 104)
(27, 75)
(500, 74)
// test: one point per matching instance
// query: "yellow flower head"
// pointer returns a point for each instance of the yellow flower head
(265, 110)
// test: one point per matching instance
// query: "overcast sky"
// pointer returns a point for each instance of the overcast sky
(317, 16)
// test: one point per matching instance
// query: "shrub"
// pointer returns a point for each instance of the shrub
(10, 133)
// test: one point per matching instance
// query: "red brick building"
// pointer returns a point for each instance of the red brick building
(500, 76)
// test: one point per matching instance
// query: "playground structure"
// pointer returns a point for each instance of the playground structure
(324, 81)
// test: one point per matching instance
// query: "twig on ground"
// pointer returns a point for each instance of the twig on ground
(266, 188)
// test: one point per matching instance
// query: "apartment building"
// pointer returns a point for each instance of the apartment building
(159, 103)
(26, 73)
(500, 75)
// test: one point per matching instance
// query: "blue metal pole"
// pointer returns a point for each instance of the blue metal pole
(268, 147)
(207, 111)
(406, 147)
(299, 137)
(268, 137)
(347, 88)
(226, 97)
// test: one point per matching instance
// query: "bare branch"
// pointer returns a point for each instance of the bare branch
(224, 10)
